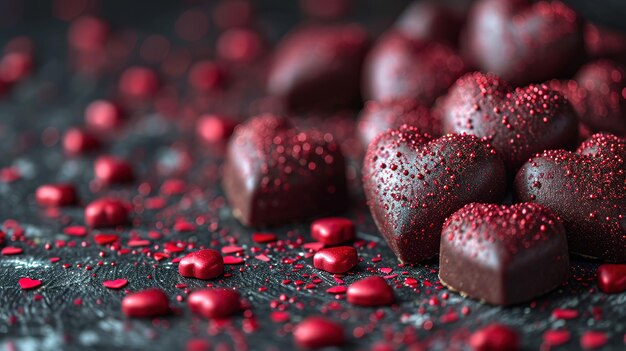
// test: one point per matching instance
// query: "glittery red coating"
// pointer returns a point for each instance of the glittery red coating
(412, 183)
(503, 255)
(518, 122)
(593, 178)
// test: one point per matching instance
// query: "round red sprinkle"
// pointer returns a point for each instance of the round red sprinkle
(77, 141)
(263, 238)
(338, 259)
(561, 313)
(593, 340)
(215, 303)
(370, 291)
(88, 34)
(206, 76)
(56, 195)
(333, 230)
(612, 278)
(202, 264)
(139, 83)
(11, 250)
(553, 338)
(105, 239)
(106, 212)
(27, 283)
(214, 128)
(113, 170)
(146, 303)
(232, 260)
(317, 332)
(115, 284)
(494, 337)
(103, 115)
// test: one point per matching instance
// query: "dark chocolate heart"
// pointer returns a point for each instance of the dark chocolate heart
(319, 67)
(399, 67)
(412, 184)
(518, 122)
(274, 173)
(524, 42)
(587, 189)
(503, 254)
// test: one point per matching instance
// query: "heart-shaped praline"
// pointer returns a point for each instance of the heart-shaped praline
(275, 174)
(519, 122)
(587, 189)
(503, 255)
(413, 183)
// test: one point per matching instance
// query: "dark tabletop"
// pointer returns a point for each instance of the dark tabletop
(72, 310)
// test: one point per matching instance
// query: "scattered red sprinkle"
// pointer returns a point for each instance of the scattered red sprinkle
(263, 238)
(556, 337)
(333, 230)
(593, 340)
(75, 230)
(612, 278)
(370, 291)
(339, 289)
(495, 337)
(559, 313)
(27, 283)
(105, 239)
(232, 260)
(115, 284)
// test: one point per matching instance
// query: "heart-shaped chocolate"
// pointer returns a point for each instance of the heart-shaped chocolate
(412, 184)
(503, 254)
(274, 173)
(398, 67)
(519, 122)
(319, 67)
(524, 42)
(587, 189)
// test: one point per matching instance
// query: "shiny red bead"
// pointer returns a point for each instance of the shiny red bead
(56, 195)
(333, 230)
(612, 278)
(88, 34)
(202, 264)
(215, 303)
(77, 141)
(103, 115)
(206, 76)
(370, 291)
(336, 260)
(106, 212)
(139, 83)
(113, 170)
(240, 45)
(318, 332)
(146, 303)
(494, 337)
(214, 128)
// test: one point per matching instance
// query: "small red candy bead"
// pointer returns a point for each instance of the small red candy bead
(146, 303)
(103, 115)
(202, 264)
(592, 340)
(333, 230)
(106, 212)
(16, 66)
(612, 278)
(494, 337)
(339, 259)
(56, 195)
(214, 128)
(77, 141)
(318, 332)
(139, 83)
(206, 76)
(370, 291)
(113, 170)
(215, 303)
(240, 45)
(88, 34)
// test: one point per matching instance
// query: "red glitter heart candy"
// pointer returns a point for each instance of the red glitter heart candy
(524, 41)
(612, 278)
(398, 67)
(594, 178)
(202, 264)
(495, 337)
(503, 255)
(215, 303)
(518, 122)
(274, 173)
(333, 230)
(412, 184)
(28, 283)
(56, 195)
(339, 259)
(319, 67)
(106, 212)
(371, 291)
(378, 116)
(146, 303)
(317, 332)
